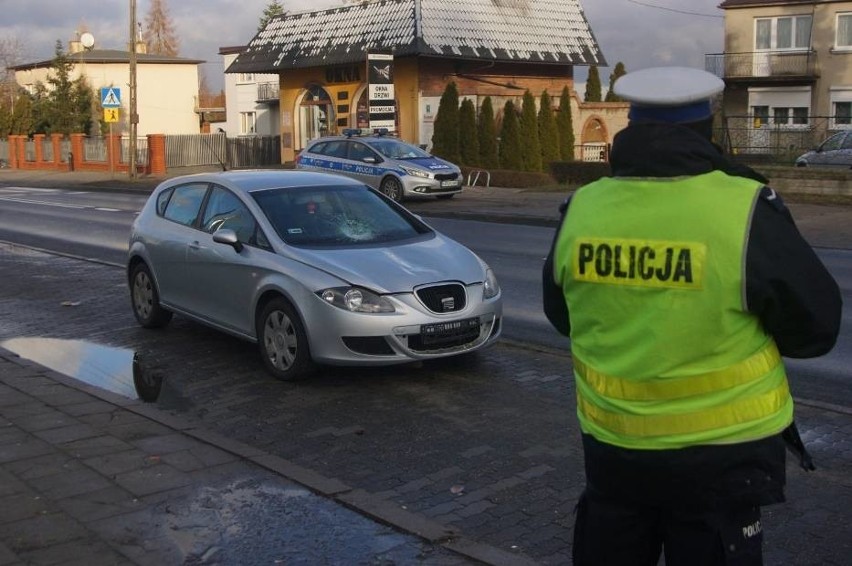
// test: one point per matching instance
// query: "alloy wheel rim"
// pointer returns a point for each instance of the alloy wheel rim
(279, 339)
(143, 295)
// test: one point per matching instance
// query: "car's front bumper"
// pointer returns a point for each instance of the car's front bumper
(339, 337)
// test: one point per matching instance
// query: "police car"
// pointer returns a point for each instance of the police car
(395, 168)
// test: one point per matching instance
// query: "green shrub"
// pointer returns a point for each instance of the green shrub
(512, 179)
(468, 136)
(565, 126)
(547, 132)
(445, 138)
(530, 144)
(578, 173)
(510, 139)
(487, 136)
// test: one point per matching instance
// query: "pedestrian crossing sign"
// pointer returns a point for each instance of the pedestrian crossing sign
(111, 115)
(110, 97)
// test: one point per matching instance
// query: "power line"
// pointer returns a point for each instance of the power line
(675, 10)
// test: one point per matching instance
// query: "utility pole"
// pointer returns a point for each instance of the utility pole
(134, 118)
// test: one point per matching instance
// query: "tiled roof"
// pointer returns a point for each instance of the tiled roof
(545, 31)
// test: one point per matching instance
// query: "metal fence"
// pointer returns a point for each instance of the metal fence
(768, 141)
(4, 151)
(192, 150)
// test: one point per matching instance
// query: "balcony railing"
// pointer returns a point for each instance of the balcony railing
(268, 92)
(770, 65)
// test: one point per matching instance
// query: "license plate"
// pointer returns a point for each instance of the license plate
(447, 331)
(453, 183)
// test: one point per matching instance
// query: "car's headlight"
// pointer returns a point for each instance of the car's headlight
(415, 172)
(490, 288)
(355, 299)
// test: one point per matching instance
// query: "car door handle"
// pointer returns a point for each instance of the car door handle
(195, 246)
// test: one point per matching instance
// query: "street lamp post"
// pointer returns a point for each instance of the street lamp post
(134, 118)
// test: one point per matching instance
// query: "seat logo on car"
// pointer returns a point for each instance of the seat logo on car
(448, 304)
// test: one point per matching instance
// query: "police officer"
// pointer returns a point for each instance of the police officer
(682, 280)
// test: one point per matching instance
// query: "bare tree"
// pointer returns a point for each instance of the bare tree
(11, 53)
(159, 34)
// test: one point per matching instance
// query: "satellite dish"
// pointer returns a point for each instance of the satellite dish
(88, 40)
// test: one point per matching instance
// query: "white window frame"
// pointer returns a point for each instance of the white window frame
(248, 123)
(839, 94)
(789, 98)
(773, 35)
(246, 78)
(837, 45)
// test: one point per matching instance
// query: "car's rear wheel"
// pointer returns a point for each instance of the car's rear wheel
(392, 188)
(146, 299)
(283, 342)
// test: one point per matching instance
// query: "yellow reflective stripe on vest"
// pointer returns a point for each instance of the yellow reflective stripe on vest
(643, 426)
(750, 369)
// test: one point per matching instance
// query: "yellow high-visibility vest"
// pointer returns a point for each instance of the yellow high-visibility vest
(665, 353)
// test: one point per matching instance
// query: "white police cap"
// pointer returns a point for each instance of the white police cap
(670, 94)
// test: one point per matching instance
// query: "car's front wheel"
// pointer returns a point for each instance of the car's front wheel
(282, 341)
(146, 299)
(392, 188)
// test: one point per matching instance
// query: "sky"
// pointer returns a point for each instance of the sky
(637, 33)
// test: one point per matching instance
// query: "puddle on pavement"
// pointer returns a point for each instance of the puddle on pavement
(115, 369)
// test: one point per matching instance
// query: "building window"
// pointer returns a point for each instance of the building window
(246, 78)
(844, 31)
(843, 114)
(247, 123)
(760, 115)
(789, 32)
(782, 116)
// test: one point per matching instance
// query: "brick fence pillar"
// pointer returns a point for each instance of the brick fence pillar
(38, 143)
(157, 154)
(56, 142)
(76, 159)
(13, 151)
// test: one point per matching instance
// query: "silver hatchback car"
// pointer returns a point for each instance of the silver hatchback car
(836, 151)
(315, 268)
(394, 167)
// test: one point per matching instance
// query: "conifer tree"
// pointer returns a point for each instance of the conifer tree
(159, 35)
(593, 85)
(510, 139)
(274, 8)
(445, 138)
(619, 71)
(565, 126)
(531, 145)
(487, 136)
(468, 138)
(547, 132)
(68, 104)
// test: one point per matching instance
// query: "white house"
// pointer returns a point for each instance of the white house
(166, 93)
(252, 100)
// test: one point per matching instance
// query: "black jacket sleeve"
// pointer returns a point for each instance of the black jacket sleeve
(554, 300)
(787, 286)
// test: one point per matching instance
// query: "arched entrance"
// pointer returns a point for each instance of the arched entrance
(316, 114)
(593, 143)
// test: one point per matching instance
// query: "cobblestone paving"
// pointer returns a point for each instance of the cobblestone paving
(486, 444)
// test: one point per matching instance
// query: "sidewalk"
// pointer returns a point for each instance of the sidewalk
(91, 477)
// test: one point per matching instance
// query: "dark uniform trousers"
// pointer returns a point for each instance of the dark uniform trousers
(612, 533)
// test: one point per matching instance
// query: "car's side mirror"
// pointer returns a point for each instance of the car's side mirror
(228, 237)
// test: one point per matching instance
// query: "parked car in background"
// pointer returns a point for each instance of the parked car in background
(394, 167)
(314, 267)
(836, 151)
